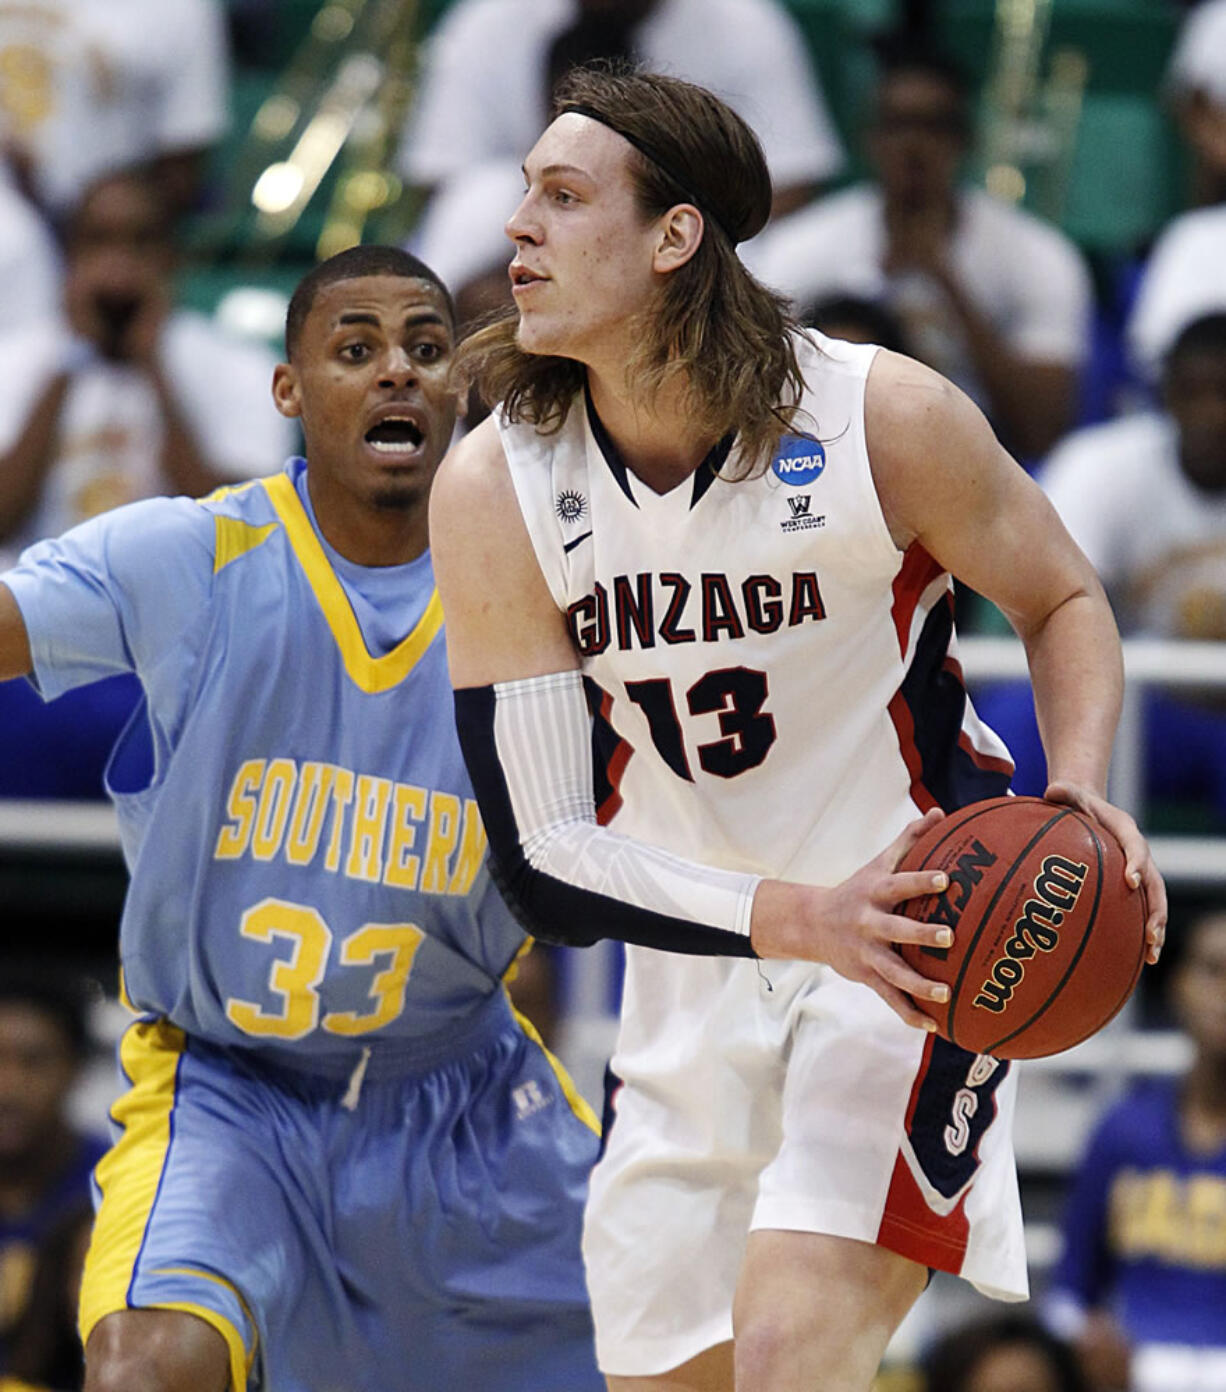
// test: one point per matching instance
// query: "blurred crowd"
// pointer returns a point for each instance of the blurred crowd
(1101, 364)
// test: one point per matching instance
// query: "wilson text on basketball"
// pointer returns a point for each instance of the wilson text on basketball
(1057, 887)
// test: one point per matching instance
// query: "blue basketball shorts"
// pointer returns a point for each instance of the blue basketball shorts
(422, 1238)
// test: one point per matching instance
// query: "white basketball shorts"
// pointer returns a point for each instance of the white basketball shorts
(754, 1095)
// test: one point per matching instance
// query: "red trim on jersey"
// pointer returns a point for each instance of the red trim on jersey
(982, 760)
(908, 1226)
(991, 762)
(917, 572)
(904, 728)
(615, 767)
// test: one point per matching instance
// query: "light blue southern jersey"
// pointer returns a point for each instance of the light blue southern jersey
(307, 862)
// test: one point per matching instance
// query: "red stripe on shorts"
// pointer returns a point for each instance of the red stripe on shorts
(908, 1226)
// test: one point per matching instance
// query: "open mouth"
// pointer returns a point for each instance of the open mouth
(521, 276)
(395, 435)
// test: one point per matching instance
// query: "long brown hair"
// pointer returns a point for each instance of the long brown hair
(712, 322)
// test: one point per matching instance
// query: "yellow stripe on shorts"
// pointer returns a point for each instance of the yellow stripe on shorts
(240, 1363)
(578, 1103)
(129, 1175)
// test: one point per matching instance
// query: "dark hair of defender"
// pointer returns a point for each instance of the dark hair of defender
(352, 265)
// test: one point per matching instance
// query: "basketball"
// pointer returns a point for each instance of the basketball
(1048, 939)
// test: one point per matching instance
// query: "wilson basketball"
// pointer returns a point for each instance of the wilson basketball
(1048, 939)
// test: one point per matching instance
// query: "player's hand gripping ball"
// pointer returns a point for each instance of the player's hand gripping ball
(1049, 939)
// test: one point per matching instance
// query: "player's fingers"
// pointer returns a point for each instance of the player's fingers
(1137, 860)
(1140, 872)
(913, 884)
(1155, 924)
(1155, 894)
(903, 1006)
(909, 835)
(899, 929)
(1117, 822)
(892, 967)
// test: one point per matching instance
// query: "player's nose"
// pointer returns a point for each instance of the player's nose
(522, 225)
(397, 368)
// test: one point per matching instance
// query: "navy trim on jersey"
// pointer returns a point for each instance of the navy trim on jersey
(704, 475)
(608, 449)
(549, 908)
(608, 749)
(936, 698)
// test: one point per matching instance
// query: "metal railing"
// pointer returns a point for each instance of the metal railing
(1185, 860)
(1190, 860)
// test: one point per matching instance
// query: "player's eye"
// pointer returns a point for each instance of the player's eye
(355, 352)
(428, 352)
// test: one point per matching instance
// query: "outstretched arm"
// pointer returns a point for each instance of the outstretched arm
(526, 734)
(112, 595)
(947, 485)
(15, 658)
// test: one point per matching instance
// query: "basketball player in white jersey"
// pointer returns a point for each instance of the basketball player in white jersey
(735, 540)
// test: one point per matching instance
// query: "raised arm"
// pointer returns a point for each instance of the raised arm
(526, 735)
(947, 485)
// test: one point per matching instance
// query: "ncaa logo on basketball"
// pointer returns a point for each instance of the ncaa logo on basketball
(799, 461)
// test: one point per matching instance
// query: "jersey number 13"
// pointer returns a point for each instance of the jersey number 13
(736, 695)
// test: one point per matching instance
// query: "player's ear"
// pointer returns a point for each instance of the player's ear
(681, 233)
(285, 394)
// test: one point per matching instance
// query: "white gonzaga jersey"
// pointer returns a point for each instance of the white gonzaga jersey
(776, 691)
(775, 685)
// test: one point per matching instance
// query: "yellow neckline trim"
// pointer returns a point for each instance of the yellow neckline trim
(371, 674)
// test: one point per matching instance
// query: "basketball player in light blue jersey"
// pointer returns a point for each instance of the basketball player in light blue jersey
(341, 1164)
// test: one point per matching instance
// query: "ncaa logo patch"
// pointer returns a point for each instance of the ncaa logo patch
(799, 460)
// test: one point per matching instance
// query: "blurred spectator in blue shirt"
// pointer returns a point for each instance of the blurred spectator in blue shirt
(1141, 1285)
(45, 1163)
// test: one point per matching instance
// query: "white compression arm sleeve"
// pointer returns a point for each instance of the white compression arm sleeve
(528, 744)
